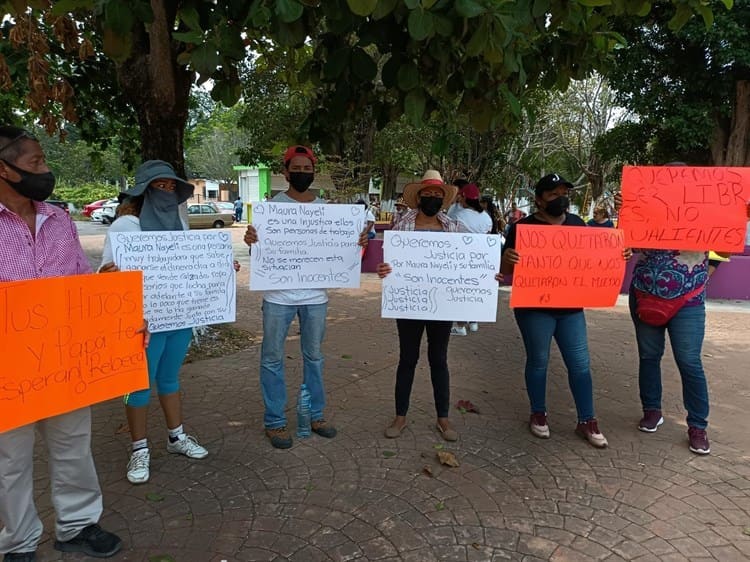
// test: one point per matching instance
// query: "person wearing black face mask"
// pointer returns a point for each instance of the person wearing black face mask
(279, 309)
(426, 200)
(568, 326)
(40, 240)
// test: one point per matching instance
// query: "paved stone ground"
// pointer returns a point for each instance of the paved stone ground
(363, 497)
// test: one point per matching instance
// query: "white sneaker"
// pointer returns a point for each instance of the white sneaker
(458, 331)
(188, 446)
(138, 472)
(473, 326)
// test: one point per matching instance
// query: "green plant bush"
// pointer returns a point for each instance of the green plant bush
(84, 194)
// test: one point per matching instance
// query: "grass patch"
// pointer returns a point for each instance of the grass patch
(217, 341)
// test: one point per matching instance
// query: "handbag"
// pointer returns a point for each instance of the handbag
(657, 311)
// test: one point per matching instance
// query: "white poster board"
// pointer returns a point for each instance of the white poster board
(306, 246)
(441, 276)
(188, 276)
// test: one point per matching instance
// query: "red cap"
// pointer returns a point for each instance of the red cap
(470, 191)
(299, 150)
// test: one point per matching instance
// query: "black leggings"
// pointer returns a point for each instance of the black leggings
(410, 338)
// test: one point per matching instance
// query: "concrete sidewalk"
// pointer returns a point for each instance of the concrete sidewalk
(361, 496)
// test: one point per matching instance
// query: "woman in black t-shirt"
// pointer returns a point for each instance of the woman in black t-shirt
(568, 326)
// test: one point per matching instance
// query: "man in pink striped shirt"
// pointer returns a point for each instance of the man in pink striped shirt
(40, 240)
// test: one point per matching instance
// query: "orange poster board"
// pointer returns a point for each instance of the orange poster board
(68, 342)
(567, 267)
(684, 207)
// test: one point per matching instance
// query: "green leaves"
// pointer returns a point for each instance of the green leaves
(289, 10)
(384, 8)
(680, 18)
(362, 7)
(63, 6)
(540, 8)
(414, 105)
(408, 76)
(118, 17)
(363, 66)
(192, 37)
(116, 46)
(469, 8)
(204, 59)
(336, 63)
(595, 3)
(421, 24)
(227, 92)
(189, 15)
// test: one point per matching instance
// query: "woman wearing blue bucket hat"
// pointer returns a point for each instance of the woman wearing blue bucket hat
(154, 204)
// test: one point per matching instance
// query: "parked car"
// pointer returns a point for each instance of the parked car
(208, 215)
(97, 215)
(225, 206)
(91, 207)
(109, 211)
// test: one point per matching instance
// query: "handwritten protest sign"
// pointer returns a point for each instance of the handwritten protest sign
(306, 246)
(685, 208)
(567, 267)
(441, 276)
(69, 342)
(188, 276)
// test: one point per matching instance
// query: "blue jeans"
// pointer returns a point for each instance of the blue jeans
(686, 330)
(276, 321)
(538, 327)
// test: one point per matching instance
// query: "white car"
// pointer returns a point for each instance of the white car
(109, 211)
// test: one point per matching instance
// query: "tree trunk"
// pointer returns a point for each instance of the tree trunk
(388, 187)
(738, 144)
(159, 90)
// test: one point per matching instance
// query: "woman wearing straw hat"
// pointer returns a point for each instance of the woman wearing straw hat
(426, 200)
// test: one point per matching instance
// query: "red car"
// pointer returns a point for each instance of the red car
(91, 207)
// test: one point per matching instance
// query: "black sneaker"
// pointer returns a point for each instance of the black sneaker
(20, 557)
(92, 541)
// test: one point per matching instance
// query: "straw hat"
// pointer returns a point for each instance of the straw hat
(431, 178)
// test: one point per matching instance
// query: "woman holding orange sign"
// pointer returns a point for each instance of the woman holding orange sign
(667, 294)
(567, 326)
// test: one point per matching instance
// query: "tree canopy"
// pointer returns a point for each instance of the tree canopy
(112, 63)
(690, 89)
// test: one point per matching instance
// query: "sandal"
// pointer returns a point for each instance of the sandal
(449, 434)
(394, 430)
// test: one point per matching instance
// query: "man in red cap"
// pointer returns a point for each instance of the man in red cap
(279, 309)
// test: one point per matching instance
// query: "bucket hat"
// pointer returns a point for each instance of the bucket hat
(152, 170)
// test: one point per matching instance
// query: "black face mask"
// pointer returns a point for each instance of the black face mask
(557, 207)
(300, 181)
(430, 206)
(34, 186)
